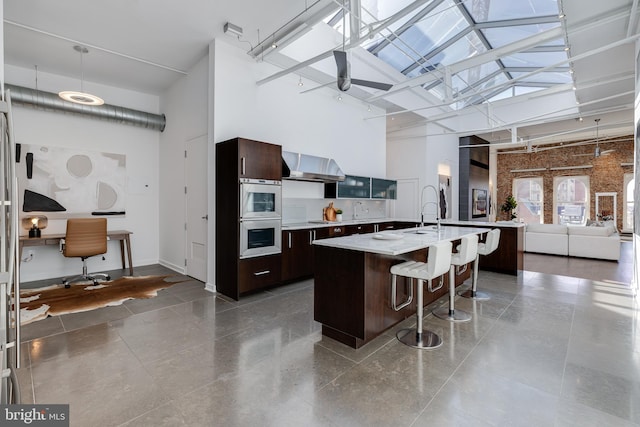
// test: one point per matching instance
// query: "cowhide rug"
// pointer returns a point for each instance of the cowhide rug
(56, 300)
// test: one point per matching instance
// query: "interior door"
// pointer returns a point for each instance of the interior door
(196, 201)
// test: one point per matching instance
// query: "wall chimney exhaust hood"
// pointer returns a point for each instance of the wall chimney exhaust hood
(305, 167)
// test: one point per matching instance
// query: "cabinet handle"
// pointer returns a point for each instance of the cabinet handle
(314, 234)
(289, 239)
(311, 236)
(261, 273)
(242, 165)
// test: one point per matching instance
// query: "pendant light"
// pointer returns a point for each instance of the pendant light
(81, 97)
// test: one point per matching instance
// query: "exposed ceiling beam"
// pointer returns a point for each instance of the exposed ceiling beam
(633, 19)
(516, 79)
(352, 43)
(478, 60)
(518, 46)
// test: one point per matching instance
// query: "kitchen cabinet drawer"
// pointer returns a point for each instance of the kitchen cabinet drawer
(385, 226)
(321, 233)
(259, 272)
(359, 229)
(336, 231)
(404, 224)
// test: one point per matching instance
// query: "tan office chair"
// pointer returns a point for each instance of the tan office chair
(85, 237)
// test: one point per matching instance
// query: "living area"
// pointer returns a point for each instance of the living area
(576, 197)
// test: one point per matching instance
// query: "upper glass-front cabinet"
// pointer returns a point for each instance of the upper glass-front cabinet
(353, 187)
(361, 187)
(383, 189)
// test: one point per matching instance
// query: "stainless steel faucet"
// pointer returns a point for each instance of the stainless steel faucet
(423, 204)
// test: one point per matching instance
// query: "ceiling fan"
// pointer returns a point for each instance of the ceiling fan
(344, 79)
(342, 62)
(598, 151)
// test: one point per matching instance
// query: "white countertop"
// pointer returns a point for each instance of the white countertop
(510, 224)
(318, 224)
(401, 241)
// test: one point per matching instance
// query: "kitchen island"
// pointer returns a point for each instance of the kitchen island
(509, 257)
(352, 279)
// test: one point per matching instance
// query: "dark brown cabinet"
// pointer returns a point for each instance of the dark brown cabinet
(259, 272)
(258, 160)
(386, 226)
(297, 254)
(235, 159)
(359, 229)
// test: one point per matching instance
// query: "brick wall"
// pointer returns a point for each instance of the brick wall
(606, 175)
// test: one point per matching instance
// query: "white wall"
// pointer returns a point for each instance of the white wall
(140, 146)
(312, 123)
(414, 155)
(186, 106)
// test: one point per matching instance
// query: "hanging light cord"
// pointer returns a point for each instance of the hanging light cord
(81, 69)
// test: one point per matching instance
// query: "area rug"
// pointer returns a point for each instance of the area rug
(56, 300)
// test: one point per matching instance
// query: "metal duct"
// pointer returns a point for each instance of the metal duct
(112, 113)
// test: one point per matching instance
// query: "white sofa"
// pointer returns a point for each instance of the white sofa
(601, 242)
(546, 239)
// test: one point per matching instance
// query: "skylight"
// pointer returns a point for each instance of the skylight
(433, 35)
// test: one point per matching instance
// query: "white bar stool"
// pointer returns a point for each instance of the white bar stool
(438, 261)
(467, 252)
(490, 244)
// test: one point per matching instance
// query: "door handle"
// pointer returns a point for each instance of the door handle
(206, 217)
(242, 166)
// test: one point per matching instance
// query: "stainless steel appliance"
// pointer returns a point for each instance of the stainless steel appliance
(260, 217)
(260, 198)
(260, 237)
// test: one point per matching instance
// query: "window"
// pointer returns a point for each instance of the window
(570, 199)
(529, 195)
(627, 214)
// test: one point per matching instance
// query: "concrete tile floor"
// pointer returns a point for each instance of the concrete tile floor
(551, 348)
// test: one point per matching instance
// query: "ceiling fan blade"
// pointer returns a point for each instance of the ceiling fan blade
(342, 63)
(374, 85)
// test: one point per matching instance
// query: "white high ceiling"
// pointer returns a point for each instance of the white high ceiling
(146, 45)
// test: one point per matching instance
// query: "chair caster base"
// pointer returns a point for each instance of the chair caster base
(478, 296)
(426, 341)
(451, 315)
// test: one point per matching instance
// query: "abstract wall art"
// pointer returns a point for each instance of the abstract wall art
(76, 181)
